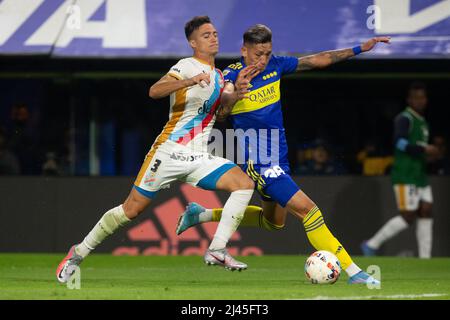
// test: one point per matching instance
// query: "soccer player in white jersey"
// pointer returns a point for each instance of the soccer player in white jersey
(179, 153)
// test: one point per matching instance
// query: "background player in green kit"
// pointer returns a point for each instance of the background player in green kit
(409, 178)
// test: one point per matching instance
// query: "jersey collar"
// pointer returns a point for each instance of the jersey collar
(414, 113)
(204, 62)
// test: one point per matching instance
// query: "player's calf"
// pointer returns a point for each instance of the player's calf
(300, 205)
(109, 223)
(135, 204)
(317, 231)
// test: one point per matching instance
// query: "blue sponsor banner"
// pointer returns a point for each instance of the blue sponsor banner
(155, 28)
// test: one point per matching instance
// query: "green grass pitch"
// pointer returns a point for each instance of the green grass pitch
(32, 276)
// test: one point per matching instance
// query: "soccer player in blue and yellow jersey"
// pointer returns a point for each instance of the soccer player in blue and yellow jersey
(255, 106)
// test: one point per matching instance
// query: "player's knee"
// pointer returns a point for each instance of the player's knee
(425, 213)
(409, 216)
(244, 184)
(131, 210)
(247, 184)
(133, 207)
(300, 207)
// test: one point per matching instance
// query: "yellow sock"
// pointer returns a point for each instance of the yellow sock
(322, 239)
(253, 217)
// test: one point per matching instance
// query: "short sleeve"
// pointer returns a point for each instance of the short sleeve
(178, 71)
(230, 75)
(401, 126)
(286, 64)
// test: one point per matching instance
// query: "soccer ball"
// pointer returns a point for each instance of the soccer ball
(322, 267)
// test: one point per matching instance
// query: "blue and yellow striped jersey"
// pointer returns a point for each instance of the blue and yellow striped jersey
(261, 112)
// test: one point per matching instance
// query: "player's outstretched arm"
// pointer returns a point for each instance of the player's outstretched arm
(326, 58)
(169, 84)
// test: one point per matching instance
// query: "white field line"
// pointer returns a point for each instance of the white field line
(396, 296)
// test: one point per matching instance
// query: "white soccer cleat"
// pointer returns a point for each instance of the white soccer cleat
(68, 265)
(222, 258)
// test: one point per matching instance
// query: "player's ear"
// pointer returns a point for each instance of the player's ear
(244, 51)
(193, 43)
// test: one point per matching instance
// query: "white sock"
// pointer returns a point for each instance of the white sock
(107, 225)
(232, 214)
(424, 235)
(352, 270)
(205, 216)
(390, 229)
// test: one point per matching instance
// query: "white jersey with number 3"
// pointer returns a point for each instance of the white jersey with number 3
(192, 109)
(180, 151)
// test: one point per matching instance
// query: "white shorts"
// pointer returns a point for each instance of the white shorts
(170, 162)
(408, 196)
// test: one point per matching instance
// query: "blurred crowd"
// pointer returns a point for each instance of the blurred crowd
(22, 151)
(318, 158)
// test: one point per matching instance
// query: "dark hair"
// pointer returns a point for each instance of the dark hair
(417, 85)
(194, 24)
(258, 33)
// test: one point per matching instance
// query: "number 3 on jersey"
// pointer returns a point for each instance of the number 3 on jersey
(156, 165)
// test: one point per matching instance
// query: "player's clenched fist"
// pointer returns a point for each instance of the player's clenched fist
(201, 79)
